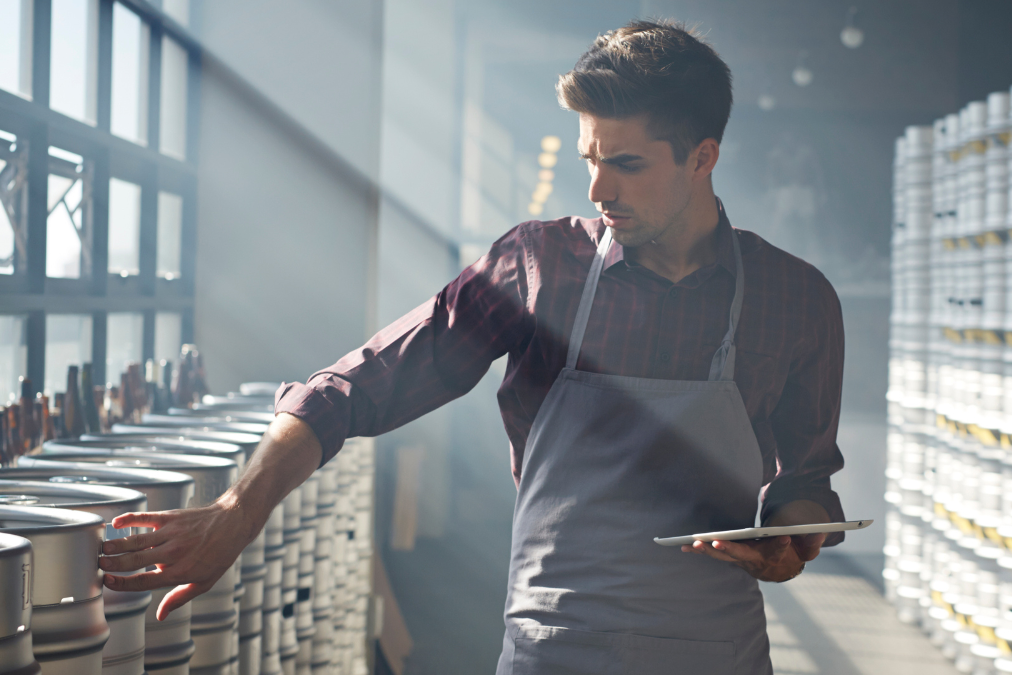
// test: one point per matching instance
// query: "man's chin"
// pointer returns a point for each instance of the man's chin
(631, 237)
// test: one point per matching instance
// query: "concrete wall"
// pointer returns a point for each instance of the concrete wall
(284, 235)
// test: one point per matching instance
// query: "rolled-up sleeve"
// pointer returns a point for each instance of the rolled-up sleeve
(432, 355)
(807, 417)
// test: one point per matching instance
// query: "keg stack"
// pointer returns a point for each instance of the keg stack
(16, 656)
(949, 470)
(298, 600)
(357, 613)
(68, 626)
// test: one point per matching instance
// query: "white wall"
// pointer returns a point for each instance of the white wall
(283, 242)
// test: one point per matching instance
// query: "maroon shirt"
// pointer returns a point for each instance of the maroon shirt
(520, 299)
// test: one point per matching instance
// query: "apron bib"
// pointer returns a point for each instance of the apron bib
(611, 463)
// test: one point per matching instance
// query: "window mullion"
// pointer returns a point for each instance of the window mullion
(104, 83)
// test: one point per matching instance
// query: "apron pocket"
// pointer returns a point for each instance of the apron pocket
(550, 650)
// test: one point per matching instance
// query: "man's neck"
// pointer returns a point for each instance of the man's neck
(687, 245)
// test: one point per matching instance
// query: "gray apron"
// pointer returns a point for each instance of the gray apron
(611, 463)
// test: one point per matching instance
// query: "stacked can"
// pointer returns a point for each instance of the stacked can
(322, 652)
(292, 535)
(948, 562)
(356, 613)
(304, 628)
(274, 554)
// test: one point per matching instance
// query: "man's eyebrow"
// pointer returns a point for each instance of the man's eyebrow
(625, 158)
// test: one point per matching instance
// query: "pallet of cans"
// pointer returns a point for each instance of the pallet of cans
(948, 547)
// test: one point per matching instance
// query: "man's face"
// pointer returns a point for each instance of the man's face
(634, 180)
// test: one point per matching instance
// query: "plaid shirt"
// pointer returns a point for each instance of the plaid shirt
(520, 299)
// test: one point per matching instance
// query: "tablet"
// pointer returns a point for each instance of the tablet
(763, 532)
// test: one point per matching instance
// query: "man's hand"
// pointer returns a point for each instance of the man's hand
(778, 559)
(192, 548)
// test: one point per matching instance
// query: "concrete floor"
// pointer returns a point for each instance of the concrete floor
(832, 620)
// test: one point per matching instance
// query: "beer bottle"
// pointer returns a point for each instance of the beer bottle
(73, 413)
(91, 421)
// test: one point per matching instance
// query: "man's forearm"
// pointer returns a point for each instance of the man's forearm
(285, 458)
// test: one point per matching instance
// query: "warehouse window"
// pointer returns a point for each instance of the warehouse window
(96, 234)
(124, 227)
(170, 226)
(68, 343)
(13, 355)
(16, 46)
(13, 193)
(131, 47)
(125, 341)
(74, 59)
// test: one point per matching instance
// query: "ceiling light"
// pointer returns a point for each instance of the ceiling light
(767, 102)
(547, 160)
(535, 209)
(546, 175)
(802, 75)
(551, 144)
(851, 36)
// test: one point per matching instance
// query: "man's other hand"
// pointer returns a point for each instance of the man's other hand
(775, 559)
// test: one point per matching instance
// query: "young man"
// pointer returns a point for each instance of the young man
(663, 368)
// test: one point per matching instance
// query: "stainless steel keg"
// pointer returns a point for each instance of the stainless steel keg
(69, 628)
(214, 618)
(167, 644)
(139, 433)
(225, 415)
(236, 401)
(16, 656)
(126, 444)
(205, 423)
(266, 389)
(123, 654)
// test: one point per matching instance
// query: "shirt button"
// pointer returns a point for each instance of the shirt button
(665, 357)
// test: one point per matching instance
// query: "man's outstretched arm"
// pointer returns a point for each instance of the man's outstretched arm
(192, 548)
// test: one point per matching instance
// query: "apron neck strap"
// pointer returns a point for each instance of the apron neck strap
(587, 301)
(722, 366)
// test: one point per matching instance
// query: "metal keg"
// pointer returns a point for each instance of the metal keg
(204, 423)
(138, 432)
(16, 656)
(214, 619)
(236, 401)
(68, 625)
(124, 611)
(126, 444)
(259, 389)
(167, 644)
(225, 415)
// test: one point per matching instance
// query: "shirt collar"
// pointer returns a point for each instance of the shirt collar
(725, 246)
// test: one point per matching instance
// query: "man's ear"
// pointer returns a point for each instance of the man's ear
(704, 158)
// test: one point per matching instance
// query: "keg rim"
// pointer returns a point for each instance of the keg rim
(13, 545)
(49, 519)
(105, 495)
(167, 459)
(143, 477)
(243, 438)
(125, 442)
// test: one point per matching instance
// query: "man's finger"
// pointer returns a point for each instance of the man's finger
(708, 550)
(145, 581)
(177, 597)
(153, 519)
(128, 562)
(137, 542)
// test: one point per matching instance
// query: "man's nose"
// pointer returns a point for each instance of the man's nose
(602, 188)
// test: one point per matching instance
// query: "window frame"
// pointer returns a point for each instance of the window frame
(28, 291)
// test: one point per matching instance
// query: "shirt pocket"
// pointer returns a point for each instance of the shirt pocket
(551, 650)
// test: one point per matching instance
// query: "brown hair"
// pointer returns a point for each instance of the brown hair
(657, 68)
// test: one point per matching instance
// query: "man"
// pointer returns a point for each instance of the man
(663, 367)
